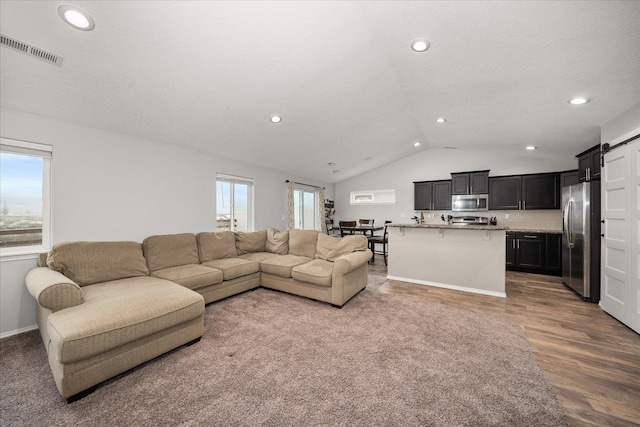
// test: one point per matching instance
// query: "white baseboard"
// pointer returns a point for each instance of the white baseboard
(18, 331)
(447, 286)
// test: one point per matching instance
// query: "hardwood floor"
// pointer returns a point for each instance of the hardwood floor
(591, 360)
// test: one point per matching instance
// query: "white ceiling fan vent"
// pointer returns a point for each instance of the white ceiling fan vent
(31, 50)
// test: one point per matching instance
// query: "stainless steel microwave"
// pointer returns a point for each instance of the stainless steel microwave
(470, 202)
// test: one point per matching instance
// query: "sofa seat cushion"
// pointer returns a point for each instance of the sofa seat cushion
(259, 257)
(317, 272)
(233, 267)
(192, 276)
(118, 312)
(282, 264)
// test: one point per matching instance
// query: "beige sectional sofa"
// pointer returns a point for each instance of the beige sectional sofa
(106, 307)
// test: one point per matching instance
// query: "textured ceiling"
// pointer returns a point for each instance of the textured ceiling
(210, 74)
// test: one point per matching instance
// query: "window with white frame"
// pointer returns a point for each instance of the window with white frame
(25, 197)
(373, 197)
(305, 208)
(234, 203)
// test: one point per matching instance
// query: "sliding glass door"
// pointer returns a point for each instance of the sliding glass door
(234, 203)
(305, 209)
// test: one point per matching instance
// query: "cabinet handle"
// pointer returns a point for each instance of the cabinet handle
(513, 243)
(518, 245)
(530, 237)
(518, 204)
(524, 205)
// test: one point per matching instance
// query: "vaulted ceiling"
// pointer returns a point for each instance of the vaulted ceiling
(350, 91)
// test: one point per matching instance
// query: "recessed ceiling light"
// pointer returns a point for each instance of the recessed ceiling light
(331, 164)
(416, 144)
(578, 100)
(275, 119)
(76, 17)
(531, 147)
(420, 45)
(441, 120)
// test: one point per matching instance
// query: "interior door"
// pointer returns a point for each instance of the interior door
(620, 286)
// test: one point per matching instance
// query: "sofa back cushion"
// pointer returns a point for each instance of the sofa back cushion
(331, 248)
(170, 250)
(277, 241)
(216, 245)
(303, 242)
(87, 263)
(251, 242)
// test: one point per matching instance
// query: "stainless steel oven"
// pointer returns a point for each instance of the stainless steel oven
(470, 202)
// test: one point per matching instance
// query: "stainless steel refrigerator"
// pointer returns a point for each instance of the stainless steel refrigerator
(576, 237)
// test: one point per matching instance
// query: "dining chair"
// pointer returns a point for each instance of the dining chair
(383, 240)
(346, 224)
(366, 223)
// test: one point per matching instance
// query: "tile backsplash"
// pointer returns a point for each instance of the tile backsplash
(547, 219)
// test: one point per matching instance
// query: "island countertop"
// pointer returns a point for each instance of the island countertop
(451, 226)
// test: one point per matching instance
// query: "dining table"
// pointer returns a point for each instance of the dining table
(363, 228)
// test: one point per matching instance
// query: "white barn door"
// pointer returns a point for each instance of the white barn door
(620, 278)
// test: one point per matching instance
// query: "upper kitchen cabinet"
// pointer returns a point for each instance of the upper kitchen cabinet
(470, 182)
(541, 191)
(589, 164)
(569, 178)
(505, 192)
(432, 195)
(535, 191)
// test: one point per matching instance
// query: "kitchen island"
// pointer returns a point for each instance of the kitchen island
(468, 258)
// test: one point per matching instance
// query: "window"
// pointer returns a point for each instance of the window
(373, 197)
(305, 209)
(25, 197)
(234, 203)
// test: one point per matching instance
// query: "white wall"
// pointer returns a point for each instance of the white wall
(433, 164)
(621, 127)
(109, 186)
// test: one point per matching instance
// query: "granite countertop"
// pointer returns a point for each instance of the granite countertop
(451, 227)
(536, 230)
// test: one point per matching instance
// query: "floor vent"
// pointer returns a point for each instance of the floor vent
(30, 50)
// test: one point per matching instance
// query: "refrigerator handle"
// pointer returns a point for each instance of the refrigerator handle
(565, 223)
(569, 225)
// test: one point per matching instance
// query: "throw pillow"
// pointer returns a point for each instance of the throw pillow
(331, 248)
(277, 241)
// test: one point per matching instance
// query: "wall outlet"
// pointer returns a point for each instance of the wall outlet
(401, 215)
(507, 216)
(282, 217)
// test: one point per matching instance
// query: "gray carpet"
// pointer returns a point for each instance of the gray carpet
(268, 358)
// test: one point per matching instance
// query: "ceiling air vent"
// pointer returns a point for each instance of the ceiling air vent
(30, 50)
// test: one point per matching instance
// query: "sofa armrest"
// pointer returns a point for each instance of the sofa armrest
(53, 290)
(349, 262)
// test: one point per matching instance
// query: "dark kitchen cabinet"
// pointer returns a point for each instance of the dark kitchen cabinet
(533, 252)
(511, 249)
(505, 192)
(470, 182)
(541, 191)
(569, 178)
(589, 164)
(530, 250)
(553, 254)
(432, 195)
(535, 191)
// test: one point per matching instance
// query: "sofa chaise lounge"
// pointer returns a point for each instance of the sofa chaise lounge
(106, 307)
